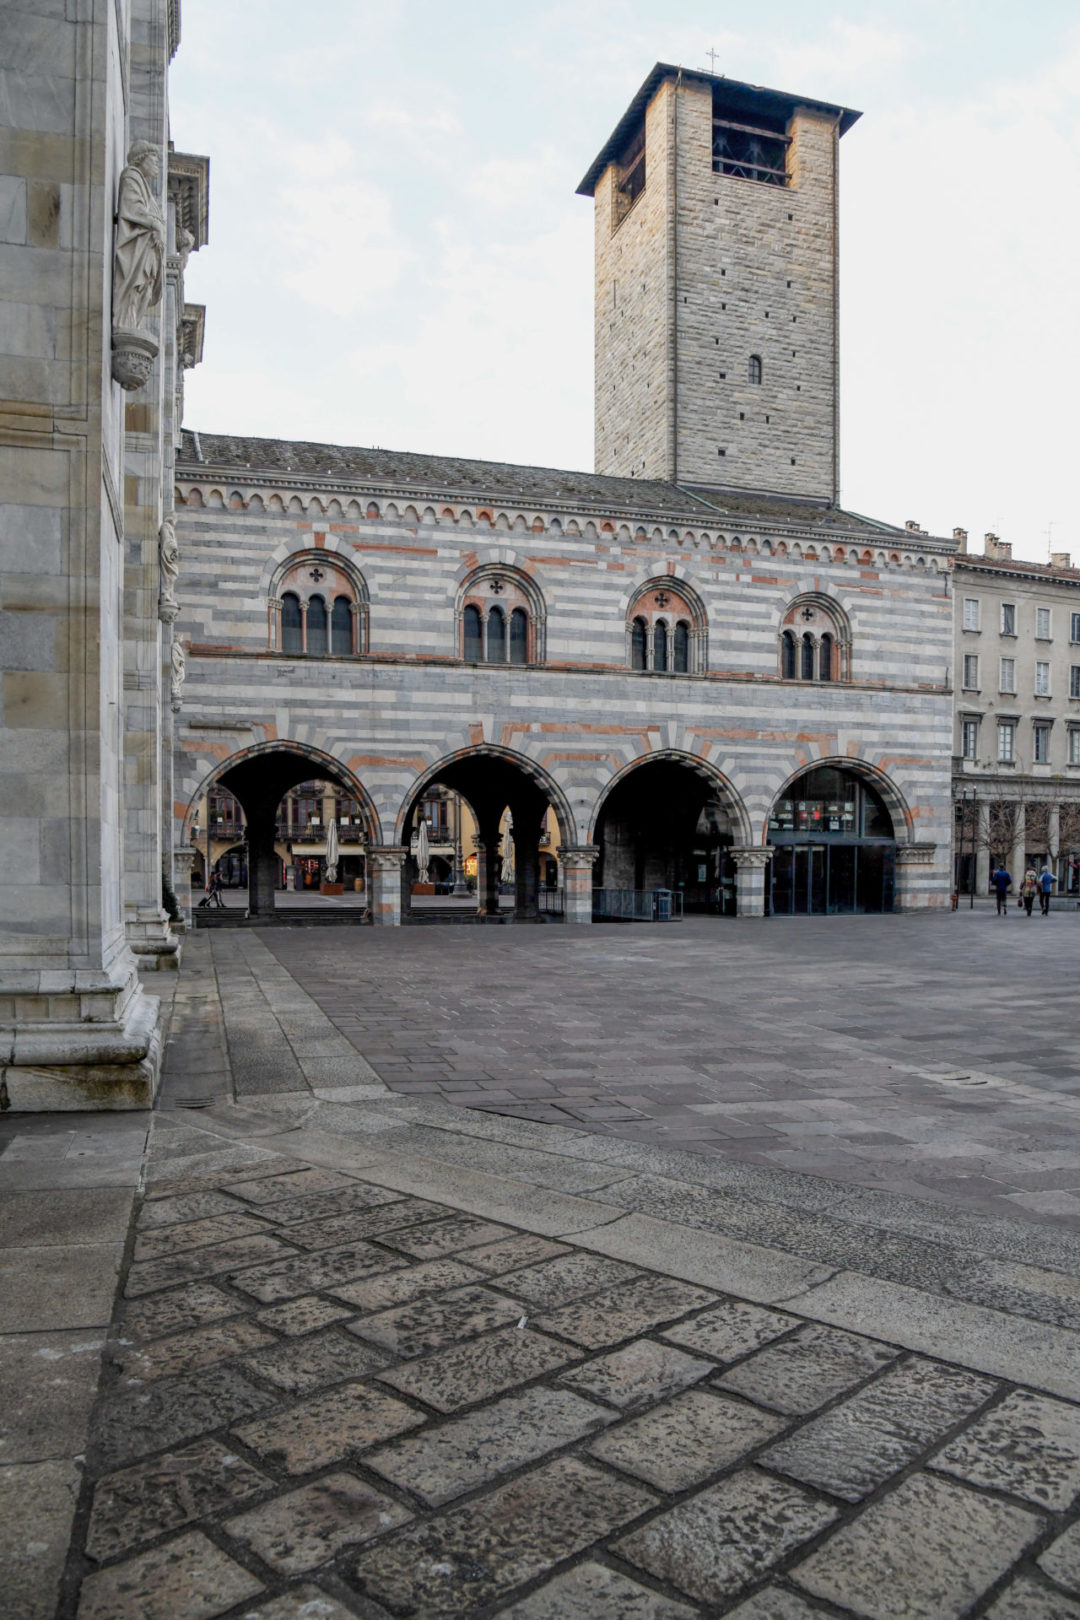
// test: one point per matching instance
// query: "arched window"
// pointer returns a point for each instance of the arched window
(519, 636)
(637, 644)
(754, 368)
(666, 628)
(496, 637)
(319, 606)
(815, 640)
(316, 625)
(474, 641)
(681, 662)
(787, 656)
(292, 632)
(341, 626)
(508, 606)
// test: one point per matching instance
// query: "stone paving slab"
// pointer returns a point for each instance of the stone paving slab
(705, 1453)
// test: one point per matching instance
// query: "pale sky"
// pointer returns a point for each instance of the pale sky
(397, 256)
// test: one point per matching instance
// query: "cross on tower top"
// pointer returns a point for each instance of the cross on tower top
(712, 60)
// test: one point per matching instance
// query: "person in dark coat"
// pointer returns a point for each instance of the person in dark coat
(1001, 883)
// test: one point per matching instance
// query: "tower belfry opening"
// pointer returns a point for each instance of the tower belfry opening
(716, 202)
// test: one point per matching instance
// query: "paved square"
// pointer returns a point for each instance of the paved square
(929, 1055)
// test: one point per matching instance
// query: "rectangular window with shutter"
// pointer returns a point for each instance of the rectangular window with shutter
(1006, 735)
(1042, 745)
(970, 738)
(1008, 675)
(1042, 678)
(971, 613)
(971, 672)
(1074, 745)
(1008, 618)
(1074, 632)
(1074, 681)
(1042, 624)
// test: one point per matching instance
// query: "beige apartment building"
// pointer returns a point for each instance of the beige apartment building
(1016, 769)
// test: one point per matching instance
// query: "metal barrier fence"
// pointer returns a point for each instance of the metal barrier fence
(637, 905)
(550, 902)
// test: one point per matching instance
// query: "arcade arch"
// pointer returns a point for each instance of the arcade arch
(258, 779)
(833, 833)
(671, 822)
(520, 816)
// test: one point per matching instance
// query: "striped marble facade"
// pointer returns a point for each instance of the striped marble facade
(414, 529)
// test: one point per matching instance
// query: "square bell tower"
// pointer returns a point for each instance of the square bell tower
(716, 287)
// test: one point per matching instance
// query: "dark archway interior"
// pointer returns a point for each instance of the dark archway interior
(260, 782)
(492, 785)
(834, 846)
(664, 827)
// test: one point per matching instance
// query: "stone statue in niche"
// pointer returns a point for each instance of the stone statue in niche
(179, 670)
(138, 266)
(184, 244)
(168, 572)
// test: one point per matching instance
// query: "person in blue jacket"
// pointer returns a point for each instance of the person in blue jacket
(1001, 883)
(1046, 884)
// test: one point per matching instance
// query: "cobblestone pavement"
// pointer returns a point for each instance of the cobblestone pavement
(934, 1056)
(378, 1355)
(405, 1388)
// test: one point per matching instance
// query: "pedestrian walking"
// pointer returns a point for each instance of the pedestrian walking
(1001, 882)
(1029, 888)
(1046, 884)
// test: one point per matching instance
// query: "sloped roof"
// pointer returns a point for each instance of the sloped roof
(751, 96)
(459, 478)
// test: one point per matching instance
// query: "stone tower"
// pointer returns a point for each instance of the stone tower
(716, 287)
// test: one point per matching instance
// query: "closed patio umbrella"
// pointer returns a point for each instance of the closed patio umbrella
(332, 855)
(423, 852)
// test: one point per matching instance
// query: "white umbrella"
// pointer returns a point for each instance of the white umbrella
(423, 852)
(506, 871)
(332, 851)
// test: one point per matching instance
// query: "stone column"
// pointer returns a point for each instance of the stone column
(750, 864)
(1017, 855)
(384, 869)
(982, 852)
(527, 835)
(262, 861)
(577, 862)
(916, 887)
(488, 866)
(183, 862)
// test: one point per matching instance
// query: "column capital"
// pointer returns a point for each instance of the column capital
(751, 854)
(915, 854)
(386, 857)
(578, 857)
